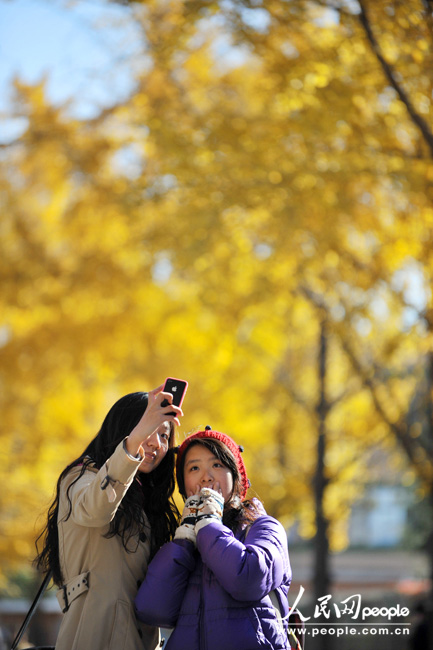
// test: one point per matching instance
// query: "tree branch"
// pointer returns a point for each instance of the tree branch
(391, 76)
(409, 444)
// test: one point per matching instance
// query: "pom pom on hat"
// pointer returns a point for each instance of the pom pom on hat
(228, 442)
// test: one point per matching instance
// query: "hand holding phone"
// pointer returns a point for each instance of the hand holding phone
(177, 387)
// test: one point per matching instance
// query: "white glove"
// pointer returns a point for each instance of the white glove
(210, 509)
(189, 517)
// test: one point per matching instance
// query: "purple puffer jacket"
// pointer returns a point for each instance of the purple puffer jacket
(217, 596)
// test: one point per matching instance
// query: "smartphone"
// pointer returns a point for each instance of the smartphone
(177, 387)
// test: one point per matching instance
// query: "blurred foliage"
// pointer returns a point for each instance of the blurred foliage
(264, 175)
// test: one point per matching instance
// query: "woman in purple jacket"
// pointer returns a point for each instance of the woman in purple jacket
(213, 582)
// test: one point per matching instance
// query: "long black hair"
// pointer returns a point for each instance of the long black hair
(237, 513)
(151, 495)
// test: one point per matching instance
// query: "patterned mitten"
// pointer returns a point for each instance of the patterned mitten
(189, 517)
(210, 508)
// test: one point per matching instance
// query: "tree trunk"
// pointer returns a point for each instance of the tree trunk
(321, 544)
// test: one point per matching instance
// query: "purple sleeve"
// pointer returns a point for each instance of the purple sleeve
(247, 571)
(161, 593)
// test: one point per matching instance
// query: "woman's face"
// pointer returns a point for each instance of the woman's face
(203, 469)
(155, 447)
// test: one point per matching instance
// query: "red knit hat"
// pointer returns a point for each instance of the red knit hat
(228, 442)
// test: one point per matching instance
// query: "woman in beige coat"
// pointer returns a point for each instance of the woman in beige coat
(113, 510)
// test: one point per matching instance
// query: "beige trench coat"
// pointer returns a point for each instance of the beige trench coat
(100, 576)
